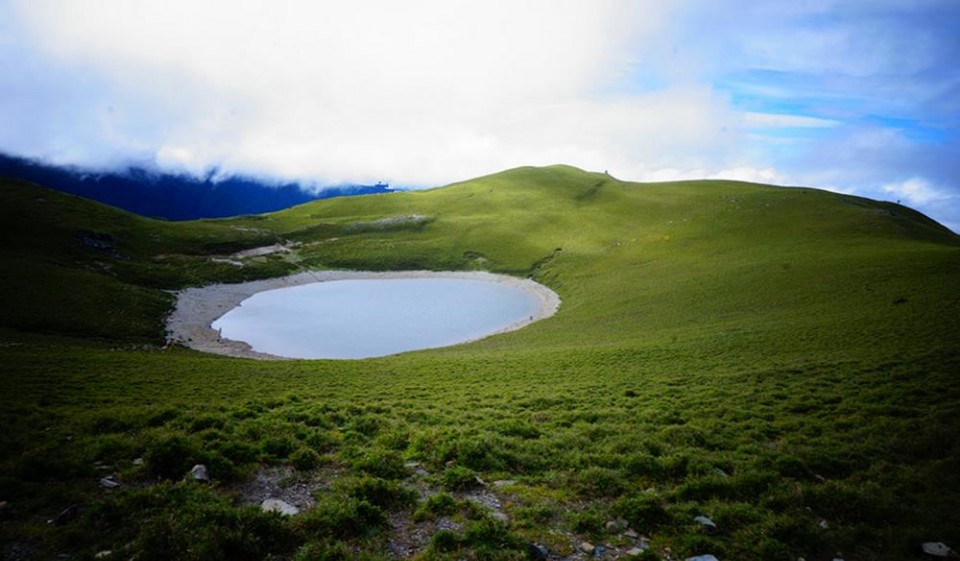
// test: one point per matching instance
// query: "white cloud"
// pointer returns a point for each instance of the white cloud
(777, 120)
(916, 191)
(416, 92)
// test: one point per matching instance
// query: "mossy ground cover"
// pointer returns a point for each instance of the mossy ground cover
(782, 361)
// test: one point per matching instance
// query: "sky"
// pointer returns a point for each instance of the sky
(855, 96)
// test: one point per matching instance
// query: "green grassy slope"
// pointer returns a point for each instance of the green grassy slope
(803, 343)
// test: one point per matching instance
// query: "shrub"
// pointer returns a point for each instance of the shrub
(387, 464)
(305, 459)
(380, 492)
(172, 456)
(459, 478)
(644, 513)
(441, 504)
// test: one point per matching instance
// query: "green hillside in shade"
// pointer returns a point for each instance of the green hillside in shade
(781, 360)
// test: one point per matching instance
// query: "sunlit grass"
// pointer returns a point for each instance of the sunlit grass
(779, 360)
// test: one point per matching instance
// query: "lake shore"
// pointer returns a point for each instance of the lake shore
(197, 308)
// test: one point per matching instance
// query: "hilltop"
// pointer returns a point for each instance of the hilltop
(777, 359)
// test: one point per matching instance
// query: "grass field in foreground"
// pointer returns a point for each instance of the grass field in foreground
(780, 360)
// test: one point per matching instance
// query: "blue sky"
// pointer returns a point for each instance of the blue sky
(855, 96)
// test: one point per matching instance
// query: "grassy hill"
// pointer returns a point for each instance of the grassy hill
(781, 360)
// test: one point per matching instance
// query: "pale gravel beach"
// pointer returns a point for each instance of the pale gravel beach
(197, 308)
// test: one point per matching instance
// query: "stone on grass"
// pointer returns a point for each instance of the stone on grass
(537, 552)
(709, 525)
(616, 526)
(937, 549)
(276, 505)
(631, 533)
(199, 473)
(504, 483)
(587, 548)
(109, 483)
(635, 551)
(103, 554)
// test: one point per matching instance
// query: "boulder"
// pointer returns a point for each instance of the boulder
(709, 525)
(276, 505)
(937, 549)
(199, 473)
(616, 526)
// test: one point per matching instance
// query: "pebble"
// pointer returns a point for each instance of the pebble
(276, 505)
(616, 526)
(199, 473)
(587, 548)
(138, 461)
(109, 483)
(103, 554)
(631, 533)
(937, 549)
(537, 552)
(635, 552)
(708, 524)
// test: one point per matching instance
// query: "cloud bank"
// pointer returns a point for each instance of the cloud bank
(856, 96)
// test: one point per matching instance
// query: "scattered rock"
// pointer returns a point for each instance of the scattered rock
(109, 483)
(199, 473)
(707, 557)
(709, 525)
(103, 554)
(635, 551)
(823, 524)
(537, 552)
(631, 533)
(276, 505)
(937, 549)
(616, 526)
(138, 461)
(599, 551)
(65, 516)
(587, 548)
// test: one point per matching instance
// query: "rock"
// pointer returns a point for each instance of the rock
(537, 552)
(721, 473)
(109, 483)
(199, 473)
(276, 505)
(587, 548)
(709, 525)
(599, 551)
(632, 534)
(103, 554)
(411, 465)
(479, 481)
(138, 461)
(500, 516)
(823, 524)
(937, 549)
(504, 483)
(707, 557)
(635, 551)
(65, 516)
(616, 526)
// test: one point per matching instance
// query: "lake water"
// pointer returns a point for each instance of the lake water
(350, 319)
